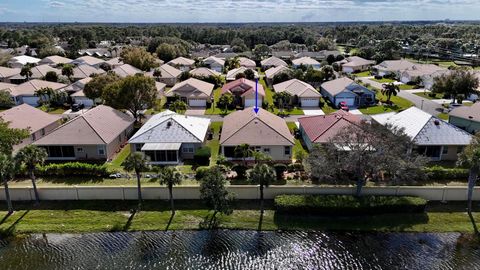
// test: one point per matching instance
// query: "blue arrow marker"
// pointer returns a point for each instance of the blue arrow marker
(256, 97)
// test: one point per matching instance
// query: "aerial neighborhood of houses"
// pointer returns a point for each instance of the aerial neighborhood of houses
(303, 98)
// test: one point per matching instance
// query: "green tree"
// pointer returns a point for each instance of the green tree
(167, 52)
(262, 175)
(139, 58)
(249, 74)
(138, 163)
(232, 63)
(261, 50)
(170, 177)
(214, 193)
(328, 72)
(26, 71)
(67, 70)
(282, 77)
(133, 93)
(470, 158)
(243, 151)
(6, 99)
(7, 172)
(389, 89)
(30, 156)
(330, 59)
(157, 73)
(178, 106)
(95, 87)
(282, 99)
(10, 137)
(51, 76)
(45, 95)
(457, 82)
(325, 44)
(226, 100)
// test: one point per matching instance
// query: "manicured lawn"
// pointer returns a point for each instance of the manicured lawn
(158, 107)
(363, 74)
(427, 95)
(214, 144)
(52, 110)
(119, 158)
(327, 107)
(441, 63)
(406, 87)
(104, 216)
(214, 109)
(443, 116)
(383, 80)
(268, 91)
(399, 104)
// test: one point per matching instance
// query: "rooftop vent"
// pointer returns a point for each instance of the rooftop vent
(436, 122)
(169, 124)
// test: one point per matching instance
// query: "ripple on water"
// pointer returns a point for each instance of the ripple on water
(224, 249)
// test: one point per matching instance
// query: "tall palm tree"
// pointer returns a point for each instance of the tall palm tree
(67, 70)
(7, 171)
(470, 157)
(31, 156)
(138, 163)
(26, 71)
(243, 150)
(263, 175)
(390, 89)
(170, 177)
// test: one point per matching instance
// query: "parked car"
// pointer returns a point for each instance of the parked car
(343, 106)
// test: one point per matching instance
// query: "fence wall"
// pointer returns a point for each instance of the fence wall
(446, 193)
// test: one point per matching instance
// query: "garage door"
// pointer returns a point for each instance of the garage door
(197, 103)
(32, 101)
(309, 102)
(251, 102)
(349, 101)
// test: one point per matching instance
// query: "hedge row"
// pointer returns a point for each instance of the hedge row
(347, 204)
(441, 173)
(73, 168)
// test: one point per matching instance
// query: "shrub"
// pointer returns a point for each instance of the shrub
(441, 173)
(202, 156)
(295, 167)
(280, 169)
(200, 173)
(240, 170)
(74, 168)
(348, 204)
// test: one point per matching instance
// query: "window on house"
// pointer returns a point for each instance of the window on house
(34, 137)
(460, 149)
(445, 150)
(43, 132)
(138, 147)
(101, 150)
(266, 150)
(79, 149)
(187, 148)
(287, 150)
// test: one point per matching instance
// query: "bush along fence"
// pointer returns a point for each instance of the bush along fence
(242, 192)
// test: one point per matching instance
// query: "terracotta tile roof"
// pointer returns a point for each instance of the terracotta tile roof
(321, 128)
(243, 86)
(100, 125)
(25, 116)
(297, 88)
(263, 128)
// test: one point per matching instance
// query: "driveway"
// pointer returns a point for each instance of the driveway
(355, 111)
(311, 112)
(195, 111)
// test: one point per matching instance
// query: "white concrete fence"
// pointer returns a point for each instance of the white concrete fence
(437, 193)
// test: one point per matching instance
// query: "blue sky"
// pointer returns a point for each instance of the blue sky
(235, 10)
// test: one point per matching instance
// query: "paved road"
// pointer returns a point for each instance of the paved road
(422, 103)
(219, 118)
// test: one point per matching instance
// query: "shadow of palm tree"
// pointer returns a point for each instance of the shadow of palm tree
(170, 221)
(260, 221)
(129, 221)
(209, 222)
(11, 228)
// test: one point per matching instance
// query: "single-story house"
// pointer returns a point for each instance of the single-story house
(419, 71)
(83, 71)
(38, 72)
(126, 70)
(428, 80)
(22, 60)
(271, 72)
(226, 55)
(169, 75)
(286, 55)
(231, 74)
(346, 90)
(80, 98)
(430, 135)
(306, 61)
(272, 62)
(355, 64)
(194, 92)
(77, 86)
(319, 55)
(392, 67)
(466, 118)
(204, 72)
(88, 60)
(55, 60)
(169, 138)
(6, 73)
(37, 122)
(244, 92)
(95, 135)
(182, 63)
(25, 92)
(262, 131)
(302, 93)
(114, 62)
(248, 63)
(214, 63)
(319, 129)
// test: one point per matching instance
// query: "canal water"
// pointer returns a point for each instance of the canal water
(227, 249)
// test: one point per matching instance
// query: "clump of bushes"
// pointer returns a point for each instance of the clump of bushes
(202, 156)
(295, 167)
(348, 204)
(241, 171)
(441, 173)
(74, 168)
(279, 170)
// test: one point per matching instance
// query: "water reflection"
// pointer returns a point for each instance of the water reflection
(224, 249)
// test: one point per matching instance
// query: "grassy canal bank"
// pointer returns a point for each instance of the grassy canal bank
(104, 216)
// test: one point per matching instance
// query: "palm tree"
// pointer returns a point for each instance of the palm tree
(67, 70)
(157, 73)
(26, 71)
(263, 175)
(138, 163)
(31, 156)
(390, 89)
(470, 157)
(243, 150)
(7, 171)
(170, 177)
